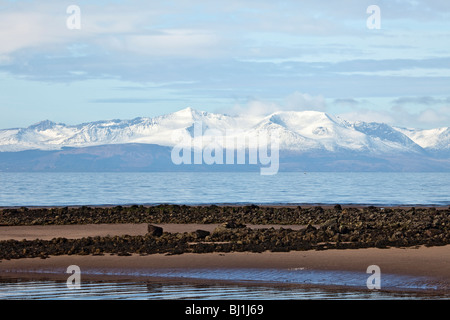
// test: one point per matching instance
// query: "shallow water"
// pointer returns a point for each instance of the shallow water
(53, 290)
(376, 188)
(280, 276)
(238, 284)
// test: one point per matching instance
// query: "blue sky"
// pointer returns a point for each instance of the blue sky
(147, 58)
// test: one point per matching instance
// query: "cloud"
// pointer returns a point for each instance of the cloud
(422, 112)
(178, 42)
(35, 30)
(41, 27)
(347, 102)
(294, 102)
(430, 111)
(253, 108)
(431, 117)
(367, 115)
(135, 40)
(424, 100)
(211, 54)
(122, 100)
(303, 101)
(358, 110)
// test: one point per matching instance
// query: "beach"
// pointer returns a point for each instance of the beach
(38, 246)
(430, 263)
(114, 229)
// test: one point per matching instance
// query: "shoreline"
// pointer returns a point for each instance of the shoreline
(234, 205)
(431, 264)
(123, 243)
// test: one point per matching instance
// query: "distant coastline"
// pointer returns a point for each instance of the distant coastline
(267, 205)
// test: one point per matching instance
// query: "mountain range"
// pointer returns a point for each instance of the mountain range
(308, 141)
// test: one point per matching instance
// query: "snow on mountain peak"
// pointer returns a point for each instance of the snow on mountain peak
(43, 125)
(188, 114)
(297, 130)
(434, 139)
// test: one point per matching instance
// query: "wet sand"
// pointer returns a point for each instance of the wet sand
(114, 229)
(430, 262)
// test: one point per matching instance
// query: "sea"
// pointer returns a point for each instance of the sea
(190, 188)
(293, 188)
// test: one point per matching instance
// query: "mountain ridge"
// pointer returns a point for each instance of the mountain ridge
(301, 131)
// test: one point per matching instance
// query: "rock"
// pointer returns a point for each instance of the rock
(336, 237)
(154, 230)
(233, 225)
(310, 228)
(318, 210)
(331, 224)
(227, 226)
(338, 207)
(201, 234)
(343, 229)
(431, 232)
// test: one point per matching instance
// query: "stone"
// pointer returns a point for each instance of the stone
(331, 224)
(233, 225)
(154, 230)
(201, 234)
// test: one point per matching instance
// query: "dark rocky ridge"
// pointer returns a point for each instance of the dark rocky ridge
(250, 214)
(326, 228)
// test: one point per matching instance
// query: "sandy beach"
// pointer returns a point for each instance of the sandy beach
(433, 263)
(423, 261)
(428, 262)
(113, 229)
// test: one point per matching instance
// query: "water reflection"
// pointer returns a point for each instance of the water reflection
(299, 276)
(141, 290)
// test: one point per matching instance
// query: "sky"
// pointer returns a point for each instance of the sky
(126, 59)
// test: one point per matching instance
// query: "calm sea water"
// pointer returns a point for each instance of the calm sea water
(59, 189)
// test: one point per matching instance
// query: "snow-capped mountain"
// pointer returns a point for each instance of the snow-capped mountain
(297, 131)
(432, 139)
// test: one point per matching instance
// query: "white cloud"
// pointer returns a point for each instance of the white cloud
(411, 72)
(402, 117)
(42, 28)
(432, 117)
(294, 102)
(252, 108)
(34, 29)
(360, 110)
(366, 115)
(303, 101)
(315, 46)
(178, 42)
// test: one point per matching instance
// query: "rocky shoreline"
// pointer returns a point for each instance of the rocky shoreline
(326, 228)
